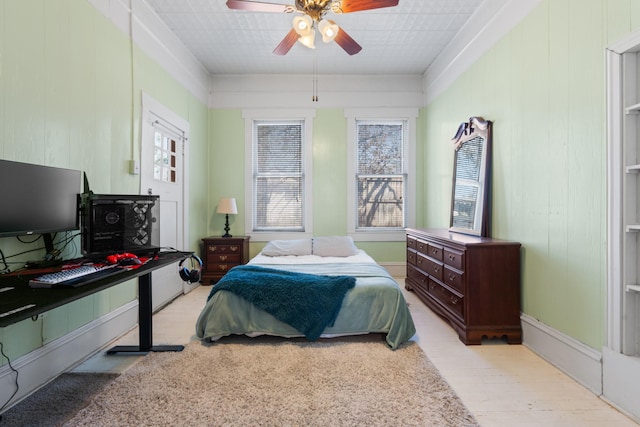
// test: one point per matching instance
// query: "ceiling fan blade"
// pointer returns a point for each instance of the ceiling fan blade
(346, 6)
(287, 43)
(347, 42)
(259, 6)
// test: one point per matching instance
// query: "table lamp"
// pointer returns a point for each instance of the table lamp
(227, 205)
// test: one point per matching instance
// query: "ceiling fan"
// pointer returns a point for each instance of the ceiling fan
(312, 17)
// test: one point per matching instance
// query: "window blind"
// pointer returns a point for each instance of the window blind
(278, 176)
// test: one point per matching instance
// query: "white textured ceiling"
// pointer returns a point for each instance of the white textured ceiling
(404, 39)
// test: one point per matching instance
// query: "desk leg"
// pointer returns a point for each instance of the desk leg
(145, 323)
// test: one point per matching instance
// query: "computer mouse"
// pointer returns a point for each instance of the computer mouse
(129, 261)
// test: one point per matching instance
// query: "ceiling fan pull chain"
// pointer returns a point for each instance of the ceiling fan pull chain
(314, 97)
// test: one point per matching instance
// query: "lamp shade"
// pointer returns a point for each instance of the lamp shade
(227, 205)
(303, 25)
(328, 29)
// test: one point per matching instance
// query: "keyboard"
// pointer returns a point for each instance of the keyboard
(74, 277)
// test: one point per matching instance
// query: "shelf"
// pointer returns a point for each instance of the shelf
(633, 169)
(634, 228)
(633, 288)
(632, 109)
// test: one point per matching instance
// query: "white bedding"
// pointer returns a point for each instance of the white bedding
(360, 257)
(375, 305)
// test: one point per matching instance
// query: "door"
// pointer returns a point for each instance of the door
(162, 168)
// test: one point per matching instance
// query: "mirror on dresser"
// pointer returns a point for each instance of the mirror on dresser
(471, 190)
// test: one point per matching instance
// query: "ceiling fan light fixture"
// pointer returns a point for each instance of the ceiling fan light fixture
(303, 25)
(328, 29)
(309, 40)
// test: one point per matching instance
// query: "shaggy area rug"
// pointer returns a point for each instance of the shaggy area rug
(279, 383)
(56, 402)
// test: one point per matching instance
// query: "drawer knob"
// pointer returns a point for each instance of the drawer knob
(451, 257)
(223, 257)
(452, 277)
(234, 248)
(223, 267)
(454, 300)
(213, 248)
(436, 269)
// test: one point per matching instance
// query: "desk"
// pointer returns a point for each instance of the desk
(41, 300)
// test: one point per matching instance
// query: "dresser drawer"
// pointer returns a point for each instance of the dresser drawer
(411, 242)
(454, 279)
(411, 257)
(416, 275)
(434, 251)
(422, 247)
(454, 258)
(429, 266)
(450, 300)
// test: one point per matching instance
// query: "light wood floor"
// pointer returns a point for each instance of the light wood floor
(503, 385)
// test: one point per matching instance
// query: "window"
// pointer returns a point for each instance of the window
(278, 186)
(380, 175)
(164, 156)
(381, 146)
(279, 189)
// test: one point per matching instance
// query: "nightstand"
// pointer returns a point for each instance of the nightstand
(221, 254)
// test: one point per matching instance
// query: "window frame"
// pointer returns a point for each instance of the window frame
(382, 115)
(306, 116)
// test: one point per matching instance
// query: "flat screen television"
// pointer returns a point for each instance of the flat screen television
(38, 200)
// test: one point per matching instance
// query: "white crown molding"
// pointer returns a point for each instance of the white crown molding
(334, 91)
(492, 21)
(138, 20)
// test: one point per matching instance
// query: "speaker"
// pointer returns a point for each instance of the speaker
(192, 274)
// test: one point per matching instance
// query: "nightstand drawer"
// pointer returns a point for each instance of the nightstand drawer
(219, 267)
(224, 249)
(224, 258)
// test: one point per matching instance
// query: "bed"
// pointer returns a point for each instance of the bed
(372, 301)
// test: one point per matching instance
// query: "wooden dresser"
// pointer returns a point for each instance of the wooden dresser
(473, 282)
(221, 254)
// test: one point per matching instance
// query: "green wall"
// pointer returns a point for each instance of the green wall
(70, 96)
(329, 149)
(543, 85)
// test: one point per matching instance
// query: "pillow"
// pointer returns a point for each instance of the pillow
(287, 247)
(339, 246)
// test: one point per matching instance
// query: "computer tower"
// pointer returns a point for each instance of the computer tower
(113, 224)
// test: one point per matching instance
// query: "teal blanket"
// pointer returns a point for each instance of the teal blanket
(307, 302)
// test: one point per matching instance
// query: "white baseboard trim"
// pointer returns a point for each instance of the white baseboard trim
(577, 360)
(621, 382)
(44, 364)
(395, 269)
